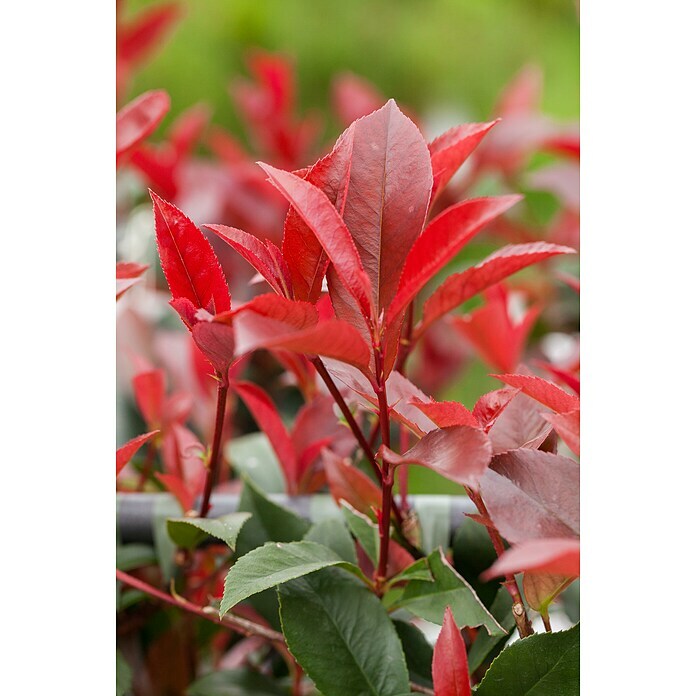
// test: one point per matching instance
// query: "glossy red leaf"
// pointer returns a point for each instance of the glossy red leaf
(498, 338)
(269, 421)
(138, 119)
(560, 556)
(441, 240)
(261, 256)
(564, 375)
(450, 665)
(567, 425)
(489, 407)
(350, 484)
(461, 287)
(126, 451)
(188, 261)
(388, 195)
(447, 413)
(317, 211)
(149, 392)
(533, 495)
(305, 255)
(459, 453)
(354, 97)
(217, 342)
(450, 150)
(543, 391)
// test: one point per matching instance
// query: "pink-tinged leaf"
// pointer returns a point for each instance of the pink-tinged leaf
(304, 253)
(354, 97)
(447, 413)
(489, 407)
(317, 421)
(520, 424)
(126, 452)
(188, 129)
(561, 556)
(138, 119)
(178, 489)
(459, 453)
(567, 425)
(127, 275)
(268, 419)
(188, 261)
(522, 95)
(450, 150)
(540, 589)
(441, 240)
(561, 374)
(149, 392)
(533, 495)
(140, 36)
(319, 214)
(270, 265)
(450, 665)
(461, 287)
(571, 281)
(498, 338)
(217, 342)
(543, 391)
(350, 484)
(388, 195)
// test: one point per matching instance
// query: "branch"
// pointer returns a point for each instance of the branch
(214, 463)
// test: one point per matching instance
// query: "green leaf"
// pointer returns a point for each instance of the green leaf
(418, 652)
(165, 507)
(274, 564)
(124, 676)
(416, 571)
(486, 645)
(129, 556)
(188, 532)
(545, 664)
(252, 456)
(429, 599)
(363, 529)
(269, 521)
(334, 535)
(571, 601)
(339, 632)
(234, 682)
(472, 553)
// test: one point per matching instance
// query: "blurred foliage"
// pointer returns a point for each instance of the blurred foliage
(439, 57)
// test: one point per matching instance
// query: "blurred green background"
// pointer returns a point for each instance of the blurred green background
(451, 56)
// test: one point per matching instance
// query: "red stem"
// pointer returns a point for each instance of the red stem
(214, 463)
(387, 475)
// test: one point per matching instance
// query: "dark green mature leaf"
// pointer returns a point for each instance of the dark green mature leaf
(342, 636)
(234, 682)
(274, 564)
(416, 571)
(269, 521)
(188, 532)
(363, 529)
(485, 647)
(472, 554)
(333, 534)
(429, 599)
(124, 676)
(129, 556)
(253, 456)
(418, 652)
(545, 664)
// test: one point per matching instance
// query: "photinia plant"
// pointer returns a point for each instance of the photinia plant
(337, 602)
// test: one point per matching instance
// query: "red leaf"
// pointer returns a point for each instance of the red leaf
(178, 489)
(533, 495)
(459, 453)
(271, 266)
(489, 407)
(267, 418)
(563, 375)
(450, 665)
(138, 119)
(126, 451)
(217, 342)
(354, 97)
(188, 261)
(441, 240)
(460, 287)
(388, 195)
(303, 251)
(567, 425)
(543, 391)
(520, 424)
(149, 391)
(127, 275)
(497, 338)
(137, 38)
(350, 484)
(317, 211)
(559, 556)
(446, 413)
(450, 150)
